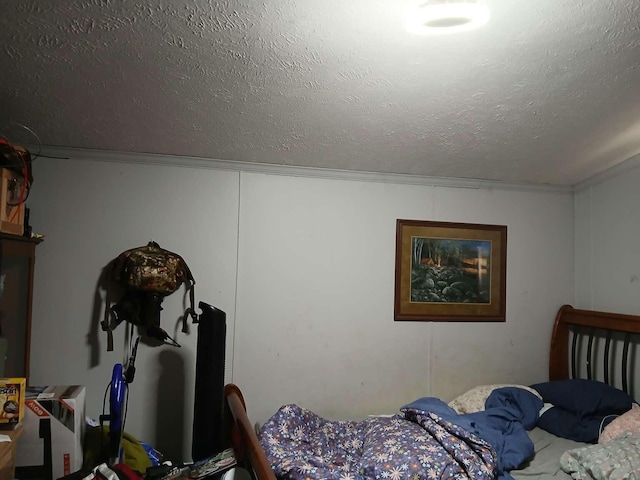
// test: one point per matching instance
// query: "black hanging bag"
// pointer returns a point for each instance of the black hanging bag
(148, 274)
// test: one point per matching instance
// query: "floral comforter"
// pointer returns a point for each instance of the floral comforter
(410, 445)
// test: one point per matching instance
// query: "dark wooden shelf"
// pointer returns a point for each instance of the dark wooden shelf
(20, 238)
(17, 262)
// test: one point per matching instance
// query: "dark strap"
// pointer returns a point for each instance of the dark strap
(191, 286)
(106, 327)
(106, 321)
(191, 311)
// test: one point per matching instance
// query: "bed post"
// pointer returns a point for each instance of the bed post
(246, 445)
(559, 351)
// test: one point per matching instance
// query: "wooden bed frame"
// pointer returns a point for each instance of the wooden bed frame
(243, 438)
(573, 327)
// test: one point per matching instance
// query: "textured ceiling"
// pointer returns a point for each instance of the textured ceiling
(547, 92)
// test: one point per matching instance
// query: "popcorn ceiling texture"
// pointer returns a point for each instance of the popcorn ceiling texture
(545, 93)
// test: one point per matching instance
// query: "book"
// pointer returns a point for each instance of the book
(214, 465)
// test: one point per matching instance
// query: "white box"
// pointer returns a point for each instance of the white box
(62, 407)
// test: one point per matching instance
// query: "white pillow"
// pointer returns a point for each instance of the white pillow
(473, 400)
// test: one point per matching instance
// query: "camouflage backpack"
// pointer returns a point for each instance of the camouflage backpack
(147, 274)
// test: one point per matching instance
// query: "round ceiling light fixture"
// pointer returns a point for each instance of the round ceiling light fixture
(447, 16)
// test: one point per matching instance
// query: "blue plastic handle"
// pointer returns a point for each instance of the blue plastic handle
(116, 407)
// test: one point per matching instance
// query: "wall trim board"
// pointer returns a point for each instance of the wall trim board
(611, 172)
(290, 170)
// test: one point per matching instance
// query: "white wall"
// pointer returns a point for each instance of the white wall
(316, 286)
(92, 211)
(607, 242)
(311, 321)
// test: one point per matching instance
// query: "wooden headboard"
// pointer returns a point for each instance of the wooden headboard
(582, 346)
(572, 329)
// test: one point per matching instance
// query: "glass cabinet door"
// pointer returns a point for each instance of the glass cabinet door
(17, 256)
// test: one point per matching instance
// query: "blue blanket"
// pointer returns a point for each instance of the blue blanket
(509, 413)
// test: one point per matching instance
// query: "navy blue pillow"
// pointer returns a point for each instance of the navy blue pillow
(569, 425)
(584, 397)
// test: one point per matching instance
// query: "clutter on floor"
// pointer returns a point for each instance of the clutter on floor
(59, 443)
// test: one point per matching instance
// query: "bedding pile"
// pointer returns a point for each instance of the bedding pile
(604, 415)
(618, 459)
(483, 434)
(426, 439)
(301, 445)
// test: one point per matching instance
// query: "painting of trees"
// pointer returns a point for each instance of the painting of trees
(450, 270)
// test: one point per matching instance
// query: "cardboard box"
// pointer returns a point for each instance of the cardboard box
(12, 392)
(54, 425)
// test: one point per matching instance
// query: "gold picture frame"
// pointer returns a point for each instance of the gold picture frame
(448, 272)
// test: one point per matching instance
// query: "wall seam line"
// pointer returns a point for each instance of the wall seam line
(235, 294)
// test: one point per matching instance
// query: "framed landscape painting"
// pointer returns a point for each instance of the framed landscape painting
(450, 271)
